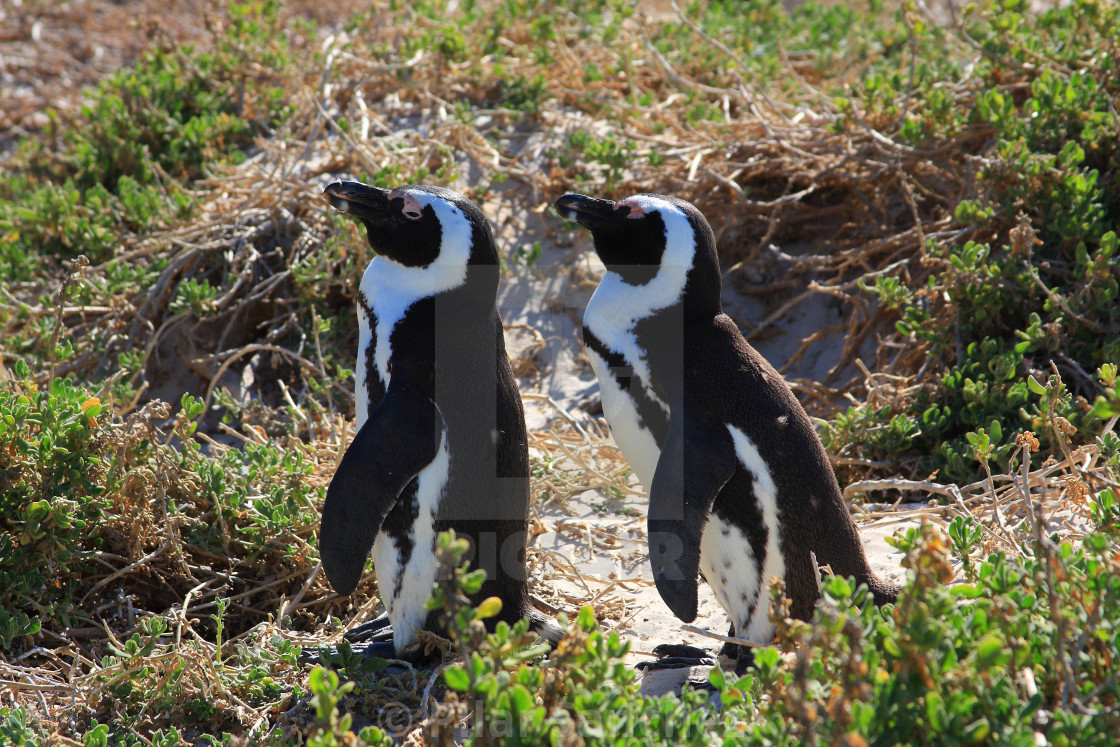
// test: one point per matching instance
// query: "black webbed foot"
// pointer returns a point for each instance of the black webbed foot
(345, 654)
(740, 653)
(368, 655)
(676, 656)
(377, 629)
(680, 650)
(744, 659)
(675, 662)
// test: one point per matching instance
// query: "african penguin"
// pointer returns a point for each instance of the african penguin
(441, 441)
(740, 487)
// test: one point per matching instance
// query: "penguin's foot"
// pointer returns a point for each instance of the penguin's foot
(677, 656)
(680, 650)
(377, 629)
(740, 654)
(368, 657)
(744, 660)
(345, 654)
(730, 650)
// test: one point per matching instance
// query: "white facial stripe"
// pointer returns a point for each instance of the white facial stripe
(759, 628)
(616, 306)
(390, 287)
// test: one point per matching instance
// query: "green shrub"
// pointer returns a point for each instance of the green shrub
(73, 476)
(55, 476)
(244, 502)
(1024, 647)
(1014, 651)
(119, 165)
(1038, 281)
(14, 729)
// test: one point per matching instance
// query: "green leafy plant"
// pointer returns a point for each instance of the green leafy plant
(54, 469)
(972, 662)
(1037, 282)
(15, 730)
(147, 130)
(521, 693)
(331, 728)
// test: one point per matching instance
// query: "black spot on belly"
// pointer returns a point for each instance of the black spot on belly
(398, 525)
(621, 371)
(650, 414)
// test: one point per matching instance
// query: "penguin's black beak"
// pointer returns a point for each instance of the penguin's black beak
(360, 200)
(590, 212)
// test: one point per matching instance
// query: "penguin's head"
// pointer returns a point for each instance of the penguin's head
(650, 238)
(415, 225)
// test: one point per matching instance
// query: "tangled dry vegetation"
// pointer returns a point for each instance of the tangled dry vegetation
(181, 292)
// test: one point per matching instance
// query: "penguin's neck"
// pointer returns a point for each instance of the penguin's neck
(616, 305)
(620, 313)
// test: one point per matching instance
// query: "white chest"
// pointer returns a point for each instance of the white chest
(389, 299)
(610, 319)
(388, 302)
(390, 289)
(388, 308)
(633, 437)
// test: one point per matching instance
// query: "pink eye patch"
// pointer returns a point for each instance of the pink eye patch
(412, 208)
(636, 210)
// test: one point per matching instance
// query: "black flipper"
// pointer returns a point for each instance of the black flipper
(398, 441)
(680, 650)
(698, 458)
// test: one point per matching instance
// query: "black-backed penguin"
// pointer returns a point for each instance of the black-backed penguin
(441, 441)
(740, 488)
